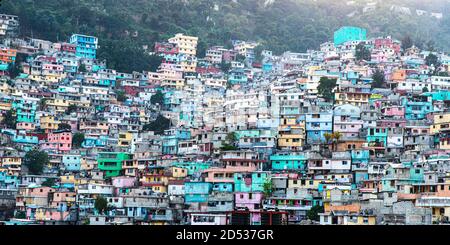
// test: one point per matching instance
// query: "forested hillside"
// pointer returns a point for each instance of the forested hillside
(123, 26)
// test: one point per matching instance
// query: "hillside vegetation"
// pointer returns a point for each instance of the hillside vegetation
(124, 26)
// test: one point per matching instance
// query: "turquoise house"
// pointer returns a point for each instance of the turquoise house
(222, 187)
(196, 192)
(377, 135)
(288, 162)
(237, 76)
(349, 33)
(250, 182)
(417, 108)
(193, 167)
(86, 46)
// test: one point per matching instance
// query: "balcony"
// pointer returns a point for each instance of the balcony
(433, 202)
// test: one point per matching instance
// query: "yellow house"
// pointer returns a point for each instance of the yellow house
(303, 183)
(5, 88)
(291, 134)
(49, 123)
(68, 179)
(441, 121)
(186, 44)
(13, 164)
(59, 105)
(178, 172)
(125, 139)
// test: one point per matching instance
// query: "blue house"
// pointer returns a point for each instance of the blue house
(196, 192)
(317, 124)
(86, 46)
(237, 76)
(250, 182)
(417, 107)
(288, 162)
(72, 162)
(349, 33)
(222, 187)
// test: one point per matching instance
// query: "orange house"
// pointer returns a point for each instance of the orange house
(398, 75)
(8, 55)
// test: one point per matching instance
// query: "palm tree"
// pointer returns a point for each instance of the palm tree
(336, 137)
(328, 138)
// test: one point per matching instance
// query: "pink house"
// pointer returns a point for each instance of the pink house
(25, 126)
(392, 123)
(123, 182)
(393, 111)
(250, 200)
(58, 141)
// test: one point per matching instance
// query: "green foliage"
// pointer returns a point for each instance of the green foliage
(16, 68)
(325, 88)
(82, 68)
(121, 95)
(77, 139)
(228, 147)
(231, 138)
(49, 182)
(407, 42)
(20, 215)
(10, 119)
(378, 79)
(295, 25)
(425, 90)
(127, 56)
(101, 204)
(157, 98)
(225, 67)
(362, 52)
(64, 126)
(35, 161)
(313, 213)
(432, 59)
(267, 187)
(158, 126)
(71, 108)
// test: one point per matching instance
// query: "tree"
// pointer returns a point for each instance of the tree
(43, 103)
(362, 52)
(49, 182)
(64, 126)
(228, 147)
(225, 67)
(157, 98)
(231, 138)
(35, 161)
(158, 126)
(101, 204)
(240, 58)
(121, 95)
(71, 108)
(82, 68)
(267, 187)
(378, 79)
(313, 213)
(77, 139)
(407, 42)
(425, 90)
(20, 215)
(336, 136)
(15, 68)
(9, 119)
(325, 88)
(432, 59)
(327, 137)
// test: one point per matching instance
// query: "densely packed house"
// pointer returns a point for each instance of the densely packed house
(322, 137)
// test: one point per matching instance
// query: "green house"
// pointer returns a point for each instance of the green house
(111, 162)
